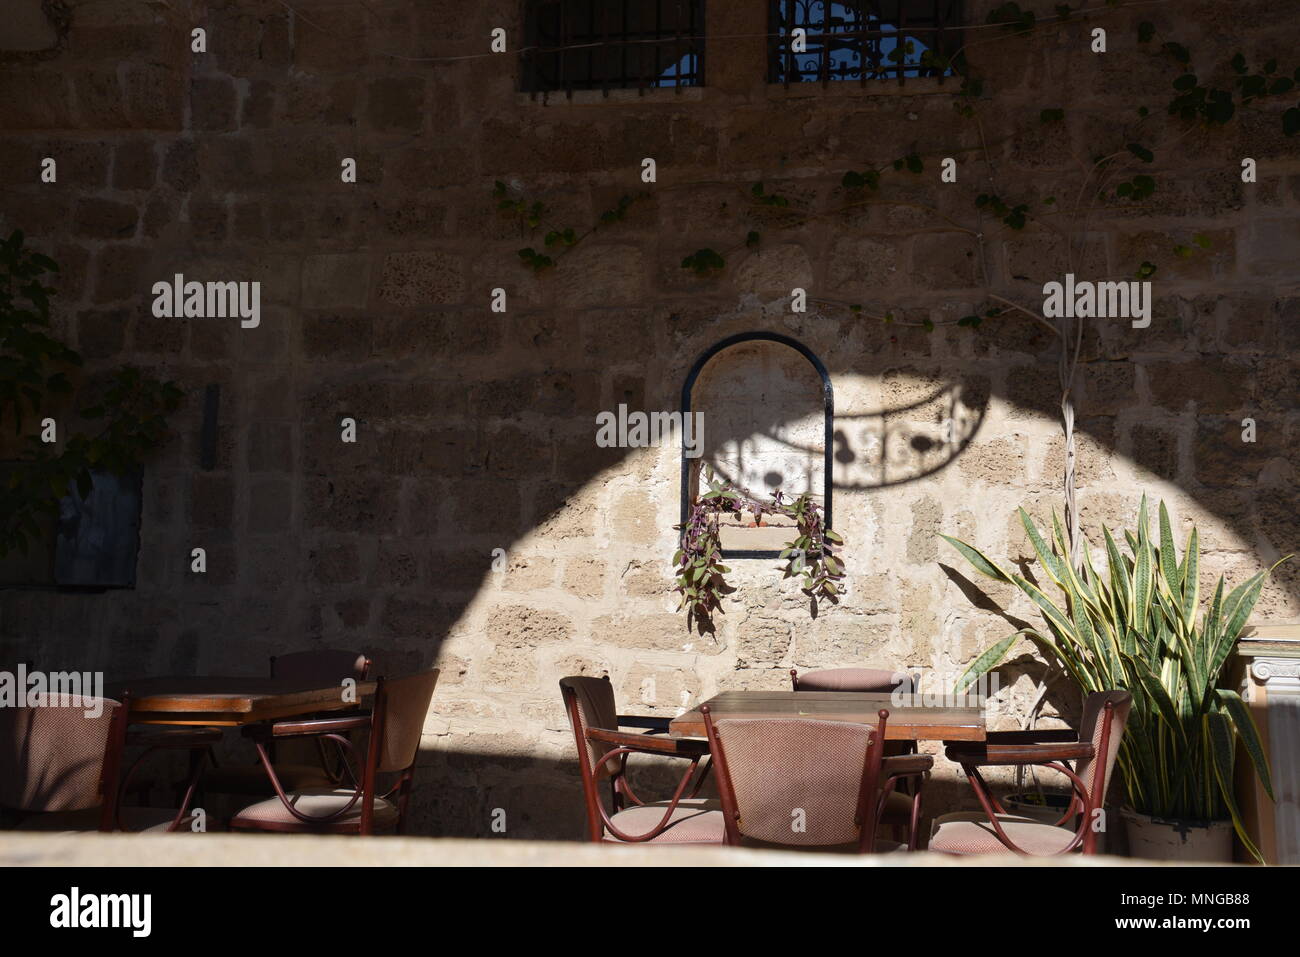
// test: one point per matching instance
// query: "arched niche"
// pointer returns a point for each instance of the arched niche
(735, 416)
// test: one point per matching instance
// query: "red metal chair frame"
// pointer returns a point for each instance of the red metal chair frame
(336, 729)
(625, 744)
(1019, 748)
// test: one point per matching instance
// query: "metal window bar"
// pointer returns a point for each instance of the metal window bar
(901, 42)
(846, 39)
(625, 44)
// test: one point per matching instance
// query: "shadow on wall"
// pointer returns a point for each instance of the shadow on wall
(764, 424)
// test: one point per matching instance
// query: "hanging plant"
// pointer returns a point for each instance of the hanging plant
(698, 564)
(130, 419)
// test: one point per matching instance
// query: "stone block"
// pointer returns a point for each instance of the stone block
(214, 104)
(35, 100)
(336, 281)
(155, 98)
(121, 272)
(945, 261)
(181, 166)
(135, 164)
(396, 104)
(352, 503)
(105, 219)
(335, 564)
(422, 278)
(270, 447)
(1211, 384)
(212, 499)
(1223, 458)
(775, 271)
(1155, 449)
(270, 506)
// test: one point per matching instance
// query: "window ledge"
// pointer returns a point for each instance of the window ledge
(915, 86)
(683, 94)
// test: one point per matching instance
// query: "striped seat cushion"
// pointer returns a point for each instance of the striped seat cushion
(317, 803)
(693, 821)
(969, 832)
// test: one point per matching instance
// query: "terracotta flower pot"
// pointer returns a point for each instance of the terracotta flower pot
(1158, 840)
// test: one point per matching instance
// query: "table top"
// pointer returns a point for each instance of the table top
(911, 718)
(231, 700)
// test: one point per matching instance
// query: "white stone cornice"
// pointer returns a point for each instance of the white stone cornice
(1279, 674)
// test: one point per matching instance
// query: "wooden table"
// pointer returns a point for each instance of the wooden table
(231, 701)
(914, 721)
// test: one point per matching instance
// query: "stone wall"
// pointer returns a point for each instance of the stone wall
(475, 429)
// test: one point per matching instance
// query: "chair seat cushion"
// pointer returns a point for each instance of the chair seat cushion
(969, 832)
(693, 821)
(252, 779)
(142, 819)
(882, 846)
(317, 803)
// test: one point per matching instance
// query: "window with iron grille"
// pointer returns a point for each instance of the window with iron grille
(612, 44)
(862, 39)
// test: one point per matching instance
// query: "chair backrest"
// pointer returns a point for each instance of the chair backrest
(327, 666)
(797, 782)
(589, 703)
(852, 679)
(1092, 728)
(401, 705)
(54, 756)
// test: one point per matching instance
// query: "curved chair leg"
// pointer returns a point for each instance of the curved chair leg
(914, 829)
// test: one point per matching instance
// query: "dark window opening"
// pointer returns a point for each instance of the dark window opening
(612, 45)
(862, 39)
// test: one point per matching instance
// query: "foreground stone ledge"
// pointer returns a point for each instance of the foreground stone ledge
(227, 850)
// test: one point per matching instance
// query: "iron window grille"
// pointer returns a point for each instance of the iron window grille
(862, 39)
(612, 45)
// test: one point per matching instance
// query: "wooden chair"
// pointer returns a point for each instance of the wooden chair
(395, 725)
(319, 667)
(993, 830)
(603, 752)
(802, 782)
(902, 814)
(61, 768)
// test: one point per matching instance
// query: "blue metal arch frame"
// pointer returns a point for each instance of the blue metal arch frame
(828, 415)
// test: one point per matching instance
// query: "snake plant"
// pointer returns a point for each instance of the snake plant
(1136, 628)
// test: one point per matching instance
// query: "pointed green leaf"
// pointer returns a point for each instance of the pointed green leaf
(982, 563)
(1220, 736)
(986, 662)
(1247, 731)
